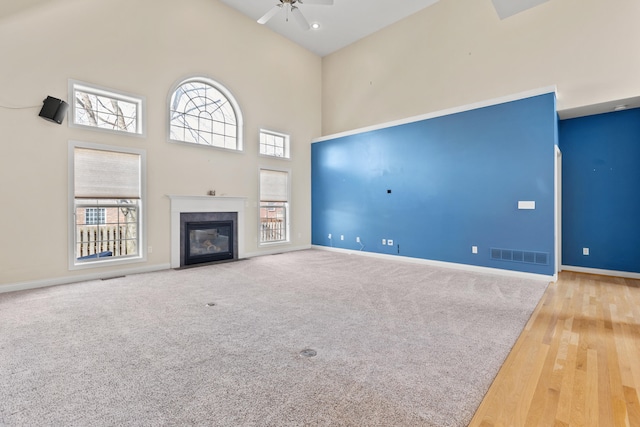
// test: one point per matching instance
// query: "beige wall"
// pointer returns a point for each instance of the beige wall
(142, 47)
(453, 53)
(458, 52)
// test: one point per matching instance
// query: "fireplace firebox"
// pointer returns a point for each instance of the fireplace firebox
(205, 208)
(208, 241)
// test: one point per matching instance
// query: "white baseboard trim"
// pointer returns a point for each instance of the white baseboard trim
(21, 286)
(276, 249)
(456, 266)
(601, 272)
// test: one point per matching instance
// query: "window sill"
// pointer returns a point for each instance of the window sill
(73, 265)
(267, 156)
(213, 147)
(267, 244)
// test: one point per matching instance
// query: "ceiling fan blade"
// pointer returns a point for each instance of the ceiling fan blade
(321, 2)
(270, 14)
(300, 18)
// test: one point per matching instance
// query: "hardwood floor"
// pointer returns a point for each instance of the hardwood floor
(577, 362)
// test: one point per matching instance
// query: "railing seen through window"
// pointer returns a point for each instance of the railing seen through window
(115, 236)
(273, 222)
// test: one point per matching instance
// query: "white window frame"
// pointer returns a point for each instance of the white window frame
(287, 207)
(74, 264)
(286, 144)
(230, 98)
(138, 100)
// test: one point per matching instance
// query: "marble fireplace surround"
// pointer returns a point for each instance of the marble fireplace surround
(200, 204)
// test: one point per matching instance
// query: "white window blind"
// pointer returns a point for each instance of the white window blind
(100, 174)
(273, 186)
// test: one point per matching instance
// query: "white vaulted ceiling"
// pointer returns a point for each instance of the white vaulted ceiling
(347, 21)
(343, 23)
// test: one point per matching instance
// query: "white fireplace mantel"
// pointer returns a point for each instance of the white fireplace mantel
(186, 204)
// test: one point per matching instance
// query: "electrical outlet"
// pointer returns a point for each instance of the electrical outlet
(585, 251)
(149, 249)
(384, 241)
(329, 235)
(357, 239)
(389, 242)
(342, 237)
(474, 249)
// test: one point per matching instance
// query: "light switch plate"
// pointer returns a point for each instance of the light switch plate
(526, 204)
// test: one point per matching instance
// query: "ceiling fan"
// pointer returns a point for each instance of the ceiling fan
(291, 6)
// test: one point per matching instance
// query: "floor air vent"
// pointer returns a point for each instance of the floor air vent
(514, 255)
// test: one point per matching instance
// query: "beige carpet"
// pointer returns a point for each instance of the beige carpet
(397, 344)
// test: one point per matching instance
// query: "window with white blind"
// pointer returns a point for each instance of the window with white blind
(107, 199)
(274, 206)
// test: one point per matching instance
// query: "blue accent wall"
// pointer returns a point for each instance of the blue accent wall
(454, 182)
(601, 191)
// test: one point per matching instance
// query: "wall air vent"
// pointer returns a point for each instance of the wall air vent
(528, 257)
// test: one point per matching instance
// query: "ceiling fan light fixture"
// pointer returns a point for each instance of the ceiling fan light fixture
(291, 6)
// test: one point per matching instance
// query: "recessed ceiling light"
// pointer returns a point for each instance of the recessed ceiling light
(315, 26)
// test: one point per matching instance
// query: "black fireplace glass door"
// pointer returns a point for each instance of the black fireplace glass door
(208, 241)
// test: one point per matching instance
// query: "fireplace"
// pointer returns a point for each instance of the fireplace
(208, 241)
(205, 208)
(207, 237)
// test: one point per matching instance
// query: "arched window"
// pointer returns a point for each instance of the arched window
(203, 112)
